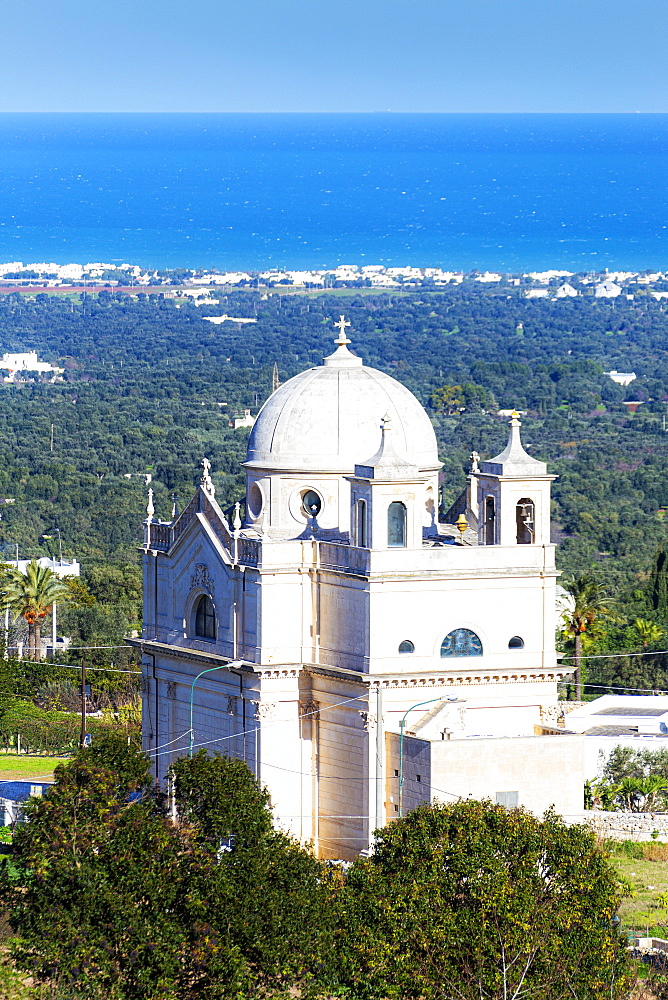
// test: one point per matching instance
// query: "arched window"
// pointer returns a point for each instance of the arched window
(396, 525)
(516, 643)
(490, 517)
(406, 646)
(461, 642)
(361, 523)
(525, 517)
(205, 618)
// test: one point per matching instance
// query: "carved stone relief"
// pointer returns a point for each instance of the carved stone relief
(202, 578)
(369, 720)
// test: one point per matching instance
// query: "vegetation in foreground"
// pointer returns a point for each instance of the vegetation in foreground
(110, 898)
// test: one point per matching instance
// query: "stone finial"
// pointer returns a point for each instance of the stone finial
(474, 458)
(236, 522)
(205, 481)
(175, 506)
(150, 509)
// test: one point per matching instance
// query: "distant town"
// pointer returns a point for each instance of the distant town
(533, 284)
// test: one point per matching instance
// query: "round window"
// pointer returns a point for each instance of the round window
(255, 500)
(516, 643)
(406, 646)
(311, 503)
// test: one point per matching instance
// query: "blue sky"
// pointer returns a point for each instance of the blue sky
(308, 55)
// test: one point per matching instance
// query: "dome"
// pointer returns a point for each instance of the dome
(328, 419)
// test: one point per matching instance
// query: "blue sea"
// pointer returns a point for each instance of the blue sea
(253, 191)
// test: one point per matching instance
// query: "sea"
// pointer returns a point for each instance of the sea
(498, 192)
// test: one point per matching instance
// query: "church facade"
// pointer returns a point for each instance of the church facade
(359, 654)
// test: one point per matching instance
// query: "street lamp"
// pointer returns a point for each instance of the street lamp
(209, 670)
(419, 704)
(48, 536)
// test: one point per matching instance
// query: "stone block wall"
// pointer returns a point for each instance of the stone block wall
(627, 825)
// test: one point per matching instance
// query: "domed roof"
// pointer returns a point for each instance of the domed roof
(328, 419)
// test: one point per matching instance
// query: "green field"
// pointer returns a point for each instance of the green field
(647, 876)
(25, 767)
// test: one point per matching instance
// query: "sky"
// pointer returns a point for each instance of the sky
(342, 55)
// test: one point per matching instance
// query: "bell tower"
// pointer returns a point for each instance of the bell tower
(387, 498)
(513, 496)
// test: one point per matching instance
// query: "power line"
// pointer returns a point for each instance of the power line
(612, 656)
(614, 687)
(246, 732)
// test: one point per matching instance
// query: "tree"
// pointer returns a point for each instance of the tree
(471, 901)
(589, 602)
(222, 797)
(648, 631)
(658, 582)
(116, 900)
(31, 595)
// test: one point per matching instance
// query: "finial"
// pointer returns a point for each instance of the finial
(205, 481)
(150, 509)
(275, 380)
(462, 524)
(475, 459)
(175, 506)
(236, 523)
(515, 419)
(342, 340)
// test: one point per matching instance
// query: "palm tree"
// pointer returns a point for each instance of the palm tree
(589, 602)
(653, 788)
(648, 631)
(31, 595)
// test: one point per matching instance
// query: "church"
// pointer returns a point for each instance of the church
(361, 654)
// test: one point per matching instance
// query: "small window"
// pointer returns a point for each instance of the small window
(406, 646)
(205, 618)
(509, 800)
(516, 643)
(525, 518)
(361, 523)
(418, 777)
(461, 642)
(396, 525)
(490, 518)
(311, 503)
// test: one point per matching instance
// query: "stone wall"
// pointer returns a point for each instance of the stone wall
(627, 825)
(553, 714)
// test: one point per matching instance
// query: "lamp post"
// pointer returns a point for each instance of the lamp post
(401, 749)
(54, 626)
(209, 670)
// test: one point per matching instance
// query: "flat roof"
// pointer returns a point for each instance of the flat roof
(632, 712)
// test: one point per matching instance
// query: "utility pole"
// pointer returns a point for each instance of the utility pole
(51, 437)
(82, 741)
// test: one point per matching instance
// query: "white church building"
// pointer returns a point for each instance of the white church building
(357, 652)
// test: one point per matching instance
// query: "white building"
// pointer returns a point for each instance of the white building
(622, 378)
(301, 639)
(636, 721)
(607, 290)
(26, 362)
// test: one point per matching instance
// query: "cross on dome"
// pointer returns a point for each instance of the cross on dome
(342, 340)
